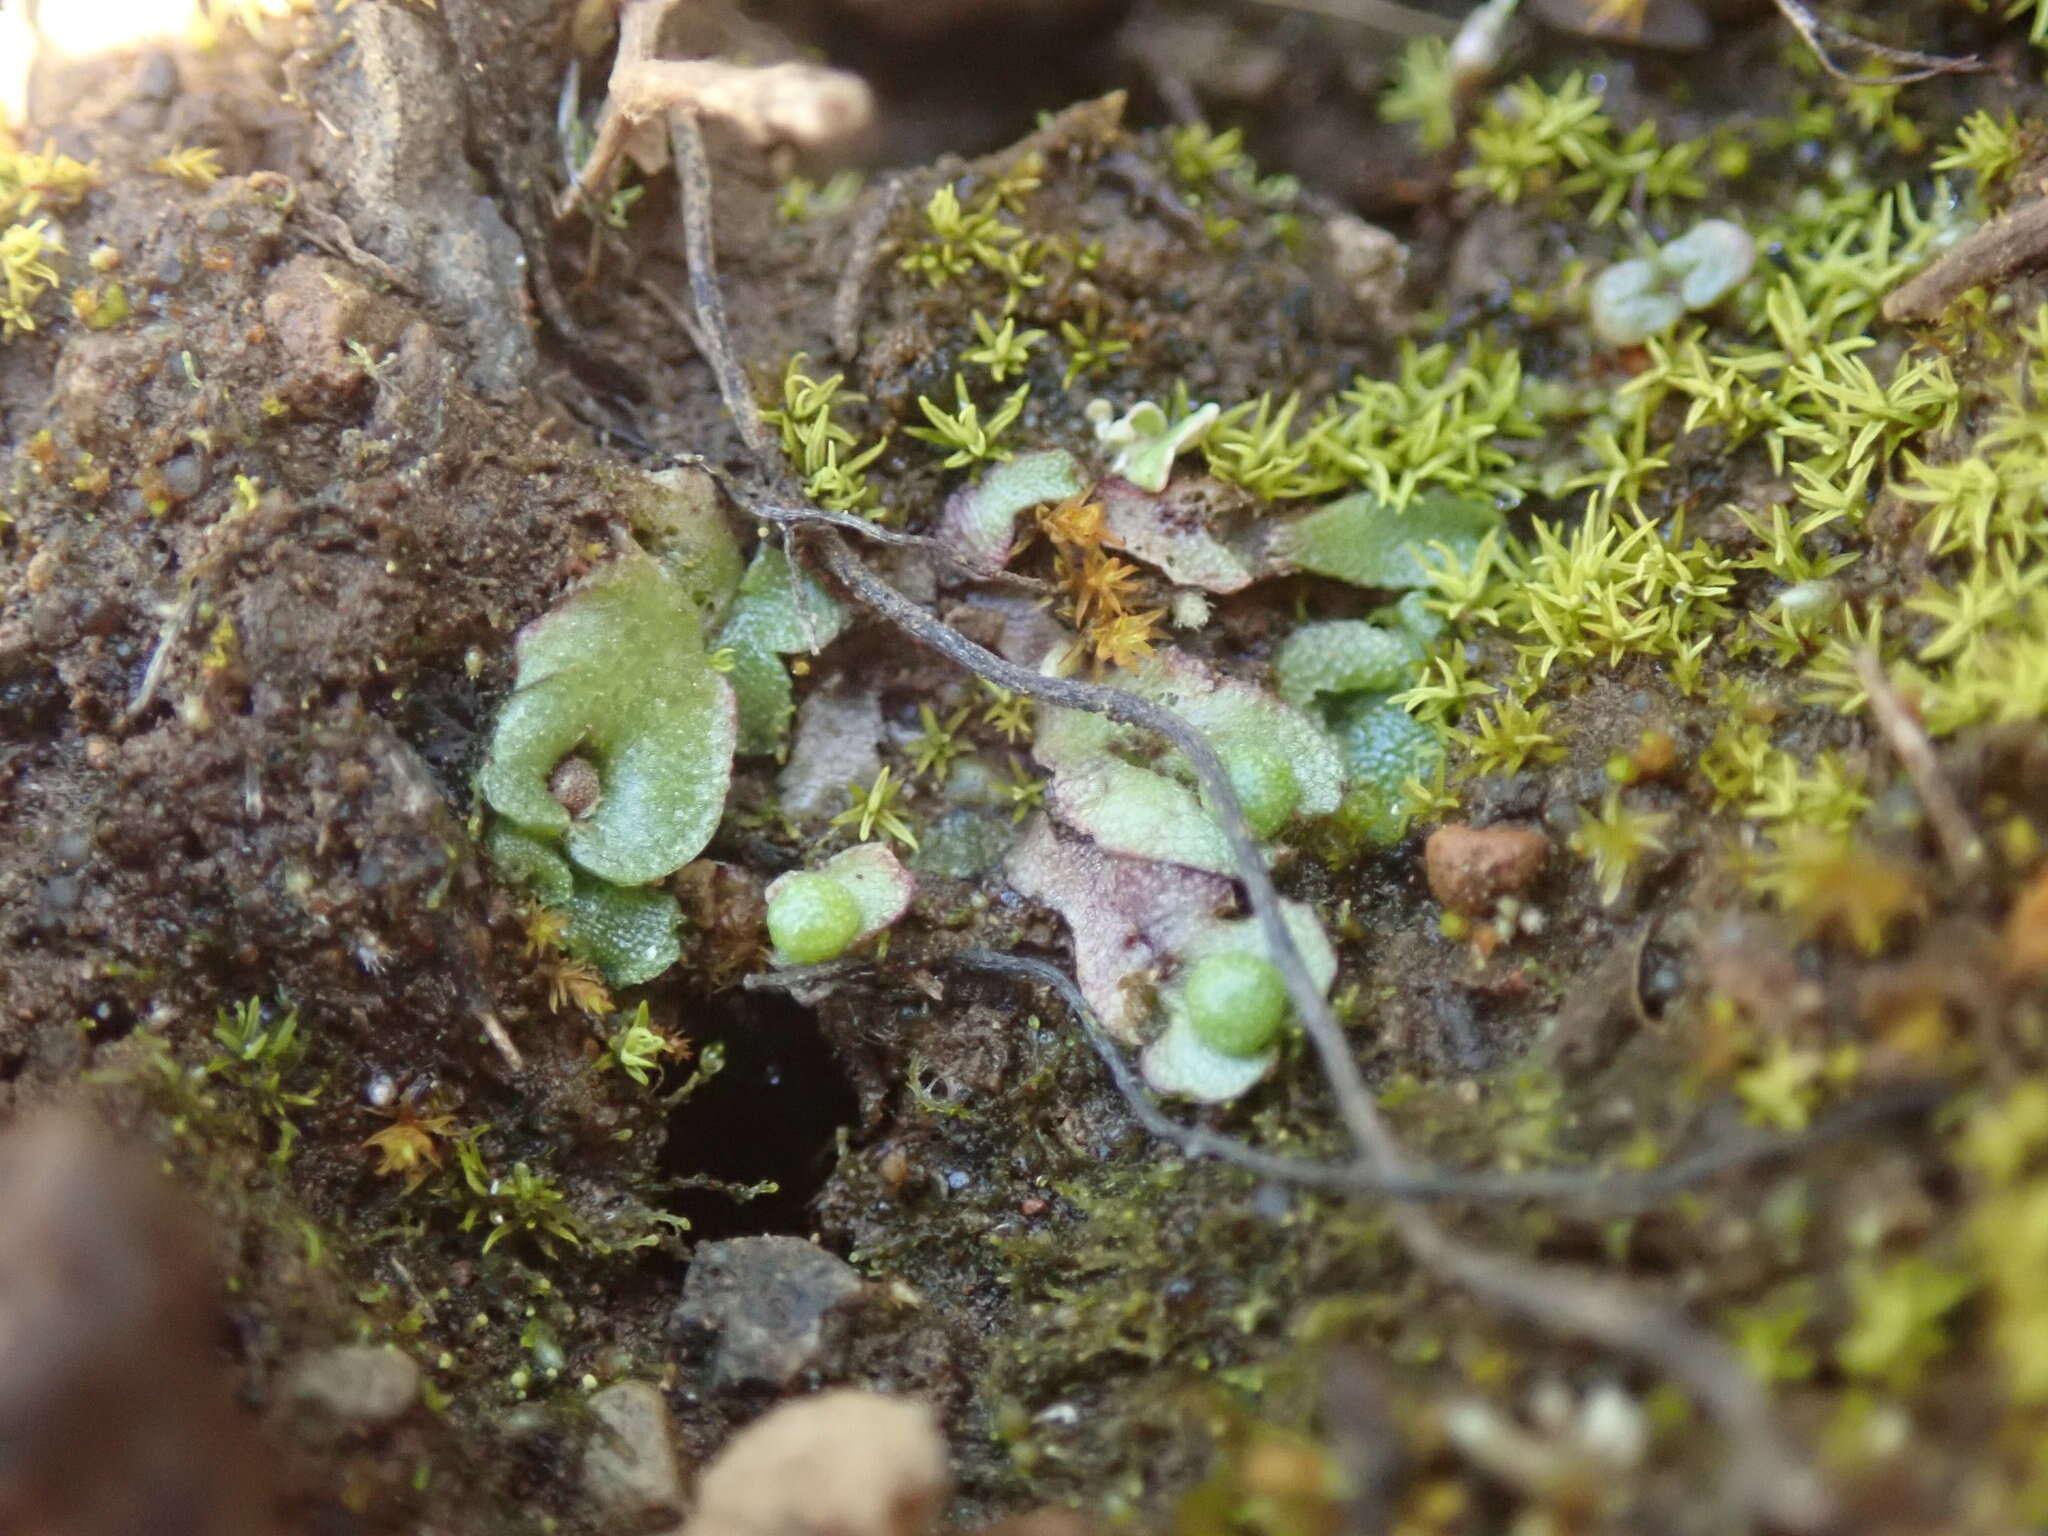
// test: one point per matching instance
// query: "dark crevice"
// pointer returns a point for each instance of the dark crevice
(773, 1113)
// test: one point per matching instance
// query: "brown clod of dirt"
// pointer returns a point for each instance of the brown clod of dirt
(113, 1408)
(1470, 868)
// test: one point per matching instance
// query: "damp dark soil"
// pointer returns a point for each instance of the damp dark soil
(269, 540)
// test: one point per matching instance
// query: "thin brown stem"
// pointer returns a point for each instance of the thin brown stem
(677, 311)
(851, 294)
(1604, 1191)
(1984, 258)
(1818, 34)
(1960, 845)
(693, 173)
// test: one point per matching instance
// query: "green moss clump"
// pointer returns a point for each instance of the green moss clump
(25, 273)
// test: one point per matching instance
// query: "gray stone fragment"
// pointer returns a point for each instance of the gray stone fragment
(838, 742)
(406, 188)
(630, 1469)
(766, 1304)
(358, 1384)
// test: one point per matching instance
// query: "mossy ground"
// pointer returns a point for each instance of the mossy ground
(1757, 922)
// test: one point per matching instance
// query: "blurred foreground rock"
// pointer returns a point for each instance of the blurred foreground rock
(116, 1417)
(842, 1463)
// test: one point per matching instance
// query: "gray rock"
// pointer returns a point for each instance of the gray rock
(406, 188)
(838, 742)
(629, 1465)
(358, 1384)
(767, 1305)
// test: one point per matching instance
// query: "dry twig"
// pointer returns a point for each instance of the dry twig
(1960, 844)
(675, 309)
(501, 1039)
(860, 259)
(1818, 34)
(804, 104)
(1986, 257)
(693, 172)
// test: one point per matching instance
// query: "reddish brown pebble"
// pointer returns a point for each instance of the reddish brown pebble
(1034, 1206)
(1656, 754)
(895, 1170)
(116, 1414)
(1470, 868)
(2026, 931)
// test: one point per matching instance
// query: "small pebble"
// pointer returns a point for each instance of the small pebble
(1470, 868)
(182, 476)
(765, 1308)
(629, 1464)
(359, 1384)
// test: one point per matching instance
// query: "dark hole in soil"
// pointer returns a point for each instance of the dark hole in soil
(443, 719)
(112, 1019)
(978, 84)
(773, 1113)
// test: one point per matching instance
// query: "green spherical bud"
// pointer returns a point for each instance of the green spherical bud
(1265, 786)
(1235, 1003)
(812, 918)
